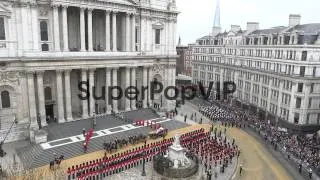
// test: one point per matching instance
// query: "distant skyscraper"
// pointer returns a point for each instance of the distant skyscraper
(216, 29)
(216, 22)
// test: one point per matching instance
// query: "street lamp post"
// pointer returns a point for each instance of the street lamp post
(144, 162)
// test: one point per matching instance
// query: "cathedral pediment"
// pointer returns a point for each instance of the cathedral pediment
(5, 9)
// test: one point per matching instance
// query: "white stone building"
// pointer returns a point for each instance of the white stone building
(48, 47)
(276, 70)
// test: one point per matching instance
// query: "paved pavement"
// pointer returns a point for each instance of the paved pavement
(290, 167)
(30, 156)
(58, 131)
(151, 174)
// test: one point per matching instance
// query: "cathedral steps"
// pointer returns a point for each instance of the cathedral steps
(34, 156)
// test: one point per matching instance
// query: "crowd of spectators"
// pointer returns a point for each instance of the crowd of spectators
(303, 147)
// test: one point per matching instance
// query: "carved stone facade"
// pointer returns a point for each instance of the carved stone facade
(51, 46)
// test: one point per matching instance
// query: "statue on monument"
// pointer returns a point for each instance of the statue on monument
(176, 141)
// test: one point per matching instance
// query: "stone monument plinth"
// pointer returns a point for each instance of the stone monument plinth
(177, 154)
(175, 164)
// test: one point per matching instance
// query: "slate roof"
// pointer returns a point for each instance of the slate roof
(313, 28)
(205, 37)
(308, 30)
(268, 31)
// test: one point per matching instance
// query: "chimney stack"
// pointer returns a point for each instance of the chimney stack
(235, 28)
(294, 19)
(252, 26)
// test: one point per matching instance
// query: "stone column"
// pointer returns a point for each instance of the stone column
(82, 30)
(166, 31)
(91, 98)
(35, 27)
(133, 83)
(32, 102)
(169, 35)
(145, 84)
(56, 29)
(114, 93)
(133, 33)
(174, 33)
(149, 80)
(114, 31)
(169, 80)
(148, 42)
(127, 100)
(107, 30)
(68, 94)
(108, 83)
(127, 45)
(41, 100)
(142, 40)
(60, 96)
(90, 45)
(84, 102)
(65, 28)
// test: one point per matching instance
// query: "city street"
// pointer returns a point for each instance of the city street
(258, 162)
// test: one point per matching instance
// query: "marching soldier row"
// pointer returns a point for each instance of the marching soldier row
(198, 142)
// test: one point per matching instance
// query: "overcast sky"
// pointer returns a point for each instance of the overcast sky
(196, 16)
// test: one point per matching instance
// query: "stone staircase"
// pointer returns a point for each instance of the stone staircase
(140, 114)
(58, 131)
(34, 156)
(18, 132)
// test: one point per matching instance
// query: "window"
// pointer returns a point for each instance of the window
(137, 33)
(157, 36)
(44, 35)
(2, 29)
(308, 117)
(47, 93)
(5, 99)
(304, 56)
(44, 31)
(300, 87)
(302, 70)
(298, 102)
(296, 118)
(311, 87)
(310, 102)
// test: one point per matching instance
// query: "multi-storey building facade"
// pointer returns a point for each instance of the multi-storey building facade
(276, 70)
(181, 63)
(188, 61)
(48, 47)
